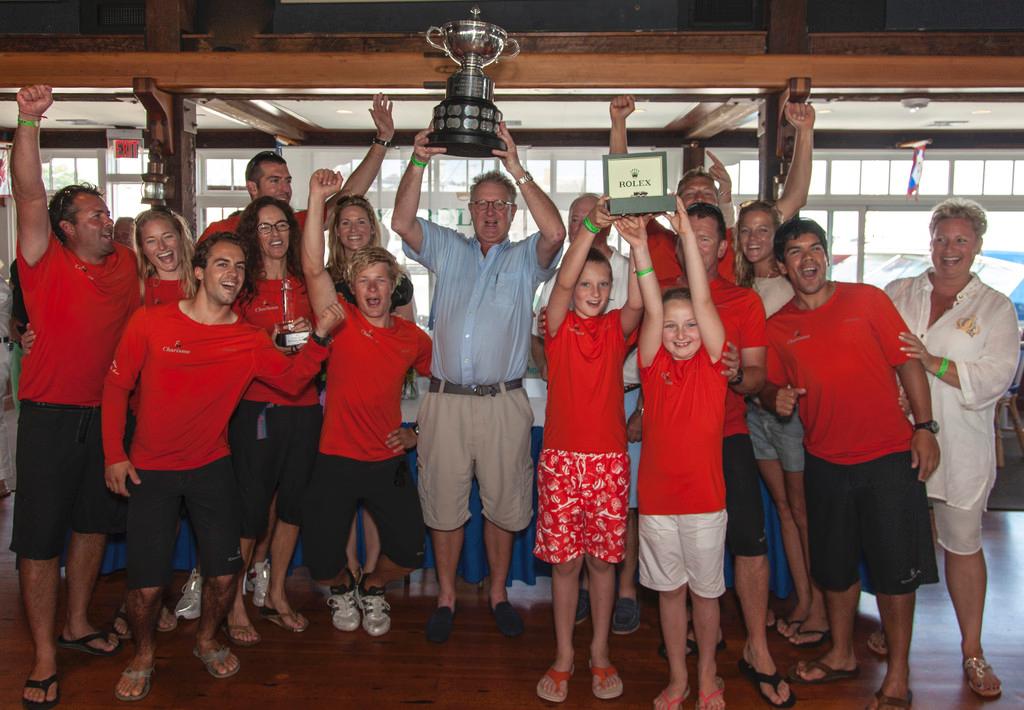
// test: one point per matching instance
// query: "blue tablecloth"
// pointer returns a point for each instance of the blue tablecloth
(473, 563)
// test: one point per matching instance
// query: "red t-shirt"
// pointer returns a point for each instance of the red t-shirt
(79, 311)
(681, 459)
(264, 310)
(584, 408)
(230, 224)
(742, 314)
(844, 353)
(365, 374)
(190, 378)
(661, 241)
(160, 291)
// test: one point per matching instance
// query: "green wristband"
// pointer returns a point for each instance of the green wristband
(648, 270)
(30, 124)
(418, 163)
(942, 368)
(590, 226)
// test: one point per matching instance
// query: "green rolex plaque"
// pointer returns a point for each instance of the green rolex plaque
(636, 183)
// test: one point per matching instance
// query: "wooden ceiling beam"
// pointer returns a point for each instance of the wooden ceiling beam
(282, 126)
(709, 119)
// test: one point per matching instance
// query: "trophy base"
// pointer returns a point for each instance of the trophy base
(466, 144)
(292, 339)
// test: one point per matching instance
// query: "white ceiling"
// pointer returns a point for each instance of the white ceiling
(553, 113)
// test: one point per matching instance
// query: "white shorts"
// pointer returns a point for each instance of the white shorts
(684, 549)
(958, 530)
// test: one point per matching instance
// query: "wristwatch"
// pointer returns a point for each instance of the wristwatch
(524, 179)
(930, 425)
(381, 141)
(322, 342)
(416, 428)
(738, 379)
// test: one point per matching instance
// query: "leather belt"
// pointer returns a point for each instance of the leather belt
(49, 405)
(446, 387)
(630, 388)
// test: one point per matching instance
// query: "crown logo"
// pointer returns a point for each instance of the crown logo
(635, 172)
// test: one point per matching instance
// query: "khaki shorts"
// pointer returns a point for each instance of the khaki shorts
(466, 435)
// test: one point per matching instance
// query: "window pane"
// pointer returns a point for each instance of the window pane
(895, 245)
(63, 172)
(819, 171)
(238, 173)
(390, 174)
(967, 177)
(218, 174)
(541, 171)
(998, 177)
(750, 175)
(1002, 261)
(934, 178)
(88, 170)
(1018, 178)
(899, 176)
(452, 175)
(571, 176)
(845, 177)
(845, 231)
(129, 166)
(48, 176)
(127, 200)
(595, 177)
(734, 174)
(874, 177)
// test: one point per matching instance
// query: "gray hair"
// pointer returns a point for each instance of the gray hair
(960, 208)
(498, 177)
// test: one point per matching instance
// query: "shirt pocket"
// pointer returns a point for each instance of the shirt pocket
(505, 291)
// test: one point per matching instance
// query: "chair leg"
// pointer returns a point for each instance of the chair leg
(1018, 427)
(1000, 452)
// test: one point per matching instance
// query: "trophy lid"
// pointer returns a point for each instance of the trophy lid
(476, 37)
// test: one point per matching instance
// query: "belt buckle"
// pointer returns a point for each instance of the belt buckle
(484, 390)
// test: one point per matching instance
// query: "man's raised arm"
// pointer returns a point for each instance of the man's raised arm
(27, 174)
(798, 182)
(407, 199)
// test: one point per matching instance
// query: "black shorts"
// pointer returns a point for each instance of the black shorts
(877, 509)
(744, 532)
(210, 494)
(273, 448)
(385, 488)
(60, 480)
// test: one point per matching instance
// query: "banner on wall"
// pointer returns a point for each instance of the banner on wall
(5, 169)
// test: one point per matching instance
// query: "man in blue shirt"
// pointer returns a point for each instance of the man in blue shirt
(476, 420)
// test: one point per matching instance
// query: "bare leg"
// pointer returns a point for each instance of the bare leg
(240, 628)
(142, 607)
(602, 599)
(672, 608)
(817, 616)
(371, 537)
(217, 594)
(966, 579)
(447, 548)
(499, 556)
(627, 568)
(752, 589)
(282, 547)
(706, 620)
(387, 571)
(352, 550)
(85, 554)
(842, 607)
(774, 479)
(40, 581)
(262, 547)
(898, 620)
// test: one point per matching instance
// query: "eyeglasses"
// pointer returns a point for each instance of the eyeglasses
(496, 205)
(267, 227)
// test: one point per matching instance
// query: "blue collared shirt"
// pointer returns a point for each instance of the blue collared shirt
(482, 306)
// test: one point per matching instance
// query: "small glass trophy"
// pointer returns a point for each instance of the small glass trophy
(287, 336)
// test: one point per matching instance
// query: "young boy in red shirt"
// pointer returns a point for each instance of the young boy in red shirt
(583, 475)
(682, 489)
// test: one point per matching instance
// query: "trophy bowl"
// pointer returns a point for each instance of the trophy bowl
(466, 122)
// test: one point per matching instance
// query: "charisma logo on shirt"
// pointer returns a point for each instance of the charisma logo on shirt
(176, 348)
(264, 307)
(797, 337)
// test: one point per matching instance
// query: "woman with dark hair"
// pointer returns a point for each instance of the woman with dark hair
(778, 444)
(273, 436)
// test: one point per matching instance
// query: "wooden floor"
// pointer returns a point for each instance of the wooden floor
(325, 668)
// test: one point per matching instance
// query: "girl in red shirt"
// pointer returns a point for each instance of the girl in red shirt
(164, 248)
(583, 475)
(681, 488)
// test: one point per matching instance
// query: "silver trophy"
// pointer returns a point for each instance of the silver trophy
(466, 121)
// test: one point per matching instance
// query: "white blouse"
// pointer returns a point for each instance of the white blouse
(980, 334)
(775, 292)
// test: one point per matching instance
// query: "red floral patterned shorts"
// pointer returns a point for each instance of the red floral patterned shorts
(582, 500)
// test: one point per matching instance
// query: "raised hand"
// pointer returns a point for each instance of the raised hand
(786, 398)
(380, 112)
(633, 229)
(33, 101)
(800, 115)
(719, 174)
(510, 156)
(419, 146)
(621, 107)
(679, 220)
(599, 216)
(329, 320)
(323, 183)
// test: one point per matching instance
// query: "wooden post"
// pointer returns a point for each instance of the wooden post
(693, 155)
(181, 166)
(165, 22)
(767, 142)
(787, 27)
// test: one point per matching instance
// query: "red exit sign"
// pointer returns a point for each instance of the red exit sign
(126, 147)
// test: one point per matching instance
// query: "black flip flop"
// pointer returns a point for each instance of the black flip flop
(82, 644)
(43, 685)
(773, 680)
(831, 674)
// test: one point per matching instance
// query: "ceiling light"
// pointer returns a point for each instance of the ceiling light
(915, 104)
(344, 112)
(823, 111)
(640, 110)
(981, 111)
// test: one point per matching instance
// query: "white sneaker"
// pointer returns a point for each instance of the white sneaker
(190, 605)
(345, 616)
(376, 611)
(259, 578)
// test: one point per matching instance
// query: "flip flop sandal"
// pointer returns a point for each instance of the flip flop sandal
(703, 699)
(793, 624)
(557, 678)
(218, 656)
(43, 685)
(274, 617)
(230, 632)
(823, 636)
(145, 674)
(773, 680)
(977, 667)
(831, 674)
(671, 703)
(888, 701)
(122, 615)
(877, 645)
(600, 677)
(82, 644)
(166, 629)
